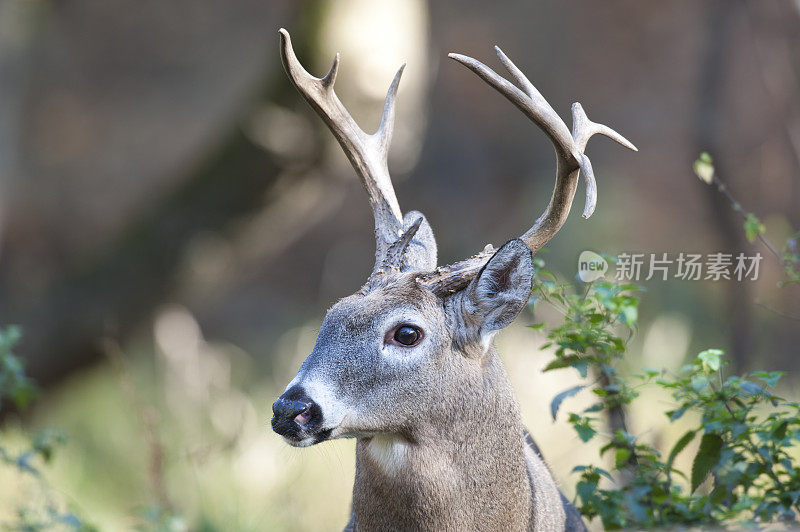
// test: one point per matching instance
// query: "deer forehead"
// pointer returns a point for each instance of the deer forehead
(382, 308)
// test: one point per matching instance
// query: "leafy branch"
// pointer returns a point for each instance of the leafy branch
(788, 257)
(743, 471)
(19, 390)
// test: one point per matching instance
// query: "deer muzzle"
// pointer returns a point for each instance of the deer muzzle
(297, 418)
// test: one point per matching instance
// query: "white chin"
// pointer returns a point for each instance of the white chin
(305, 442)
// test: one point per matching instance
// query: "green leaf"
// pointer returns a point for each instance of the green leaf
(779, 432)
(23, 394)
(621, 457)
(706, 458)
(751, 388)
(546, 273)
(585, 431)
(629, 315)
(604, 473)
(704, 168)
(597, 407)
(699, 383)
(719, 495)
(23, 462)
(47, 440)
(711, 359)
(555, 404)
(557, 364)
(71, 520)
(9, 337)
(753, 227)
(585, 490)
(677, 413)
(678, 447)
(582, 366)
(769, 377)
(583, 426)
(652, 372)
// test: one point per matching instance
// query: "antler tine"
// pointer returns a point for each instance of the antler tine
(396, 252)
(367, 153)
(582, 131)
(569, 146)
(571, 161)
(535, 107)
(531, 102)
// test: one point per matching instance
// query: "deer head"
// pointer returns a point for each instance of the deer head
(410, 354)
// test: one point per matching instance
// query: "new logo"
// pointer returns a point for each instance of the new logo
(591, 266)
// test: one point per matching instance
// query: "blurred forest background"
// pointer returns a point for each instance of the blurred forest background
(174, 219)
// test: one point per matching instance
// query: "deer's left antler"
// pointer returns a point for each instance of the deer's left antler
(570, 161)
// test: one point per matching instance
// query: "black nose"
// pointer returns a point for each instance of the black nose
(288, 409)
(296, 416)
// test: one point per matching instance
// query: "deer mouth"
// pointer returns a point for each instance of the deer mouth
(301, 431)
(303, 437)
(308, 441)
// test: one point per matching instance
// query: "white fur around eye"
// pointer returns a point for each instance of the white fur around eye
(403, 355)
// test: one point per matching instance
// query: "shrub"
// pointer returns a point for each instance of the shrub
(17, 390)
(743, 471)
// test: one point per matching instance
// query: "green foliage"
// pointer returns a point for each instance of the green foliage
(753, 227)
(791, 259)
(159, 519)
(704, 168)
(743, 470)
(789, 256)
(591, 337)
(19, 390)
(15, 386)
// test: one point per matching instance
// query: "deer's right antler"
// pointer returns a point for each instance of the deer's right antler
(570, 161)
(367, 153)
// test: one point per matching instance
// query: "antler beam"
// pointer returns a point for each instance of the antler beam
(570, 160)
(367, 153)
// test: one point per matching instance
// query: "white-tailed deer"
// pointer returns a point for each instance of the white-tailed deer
(407, 364)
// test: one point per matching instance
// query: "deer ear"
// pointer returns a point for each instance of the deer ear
(421, 251)
(502, 289)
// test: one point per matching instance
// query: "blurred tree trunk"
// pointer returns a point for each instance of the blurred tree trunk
(708, 129)
(113, 293)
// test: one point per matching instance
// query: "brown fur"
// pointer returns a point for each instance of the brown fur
(450, 481)
(441, 445)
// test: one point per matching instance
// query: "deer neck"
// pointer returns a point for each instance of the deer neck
(461, 475)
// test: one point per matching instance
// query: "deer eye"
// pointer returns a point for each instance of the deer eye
(407, 335)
